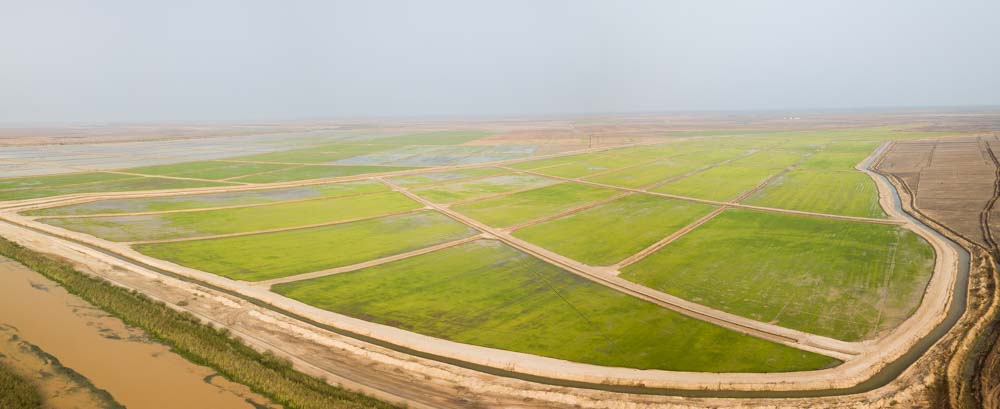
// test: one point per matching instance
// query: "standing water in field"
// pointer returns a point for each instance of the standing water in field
(79, 356)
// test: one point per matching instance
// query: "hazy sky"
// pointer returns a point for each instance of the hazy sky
(179, 60)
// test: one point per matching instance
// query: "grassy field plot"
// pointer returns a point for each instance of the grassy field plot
(127, 184)
(317, 154)
(471, 189)
(557, 161)
(272, 255)
(719, 183)
(831, 160)
(773, 159)
(432, 138)
(846, 280)
(212, 170)
(316, 172)
(445, 176)
(244, 219)
(186, 202)
(848, 193)
(51, 181)
(591, 165)
(640, 176)
(440, 155)
(608, 233)
(486, 293)
(532, 204)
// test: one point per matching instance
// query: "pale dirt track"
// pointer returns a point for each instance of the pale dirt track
(872, 356)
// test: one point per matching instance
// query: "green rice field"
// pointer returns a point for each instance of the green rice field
(532, 204)
(273, 255)
(608, 233)
(846, 280)
(245, 219)
(485, 293)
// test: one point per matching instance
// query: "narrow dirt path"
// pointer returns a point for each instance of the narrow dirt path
(370, 263)
(720, 203)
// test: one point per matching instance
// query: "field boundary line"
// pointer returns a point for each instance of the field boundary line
(274, 230)
(365, 264)
(842, 350)
(54, 201)
(201, 209)
(233, 178)
(501, 194)
(666, 240)
(731, 204)
(567, 212)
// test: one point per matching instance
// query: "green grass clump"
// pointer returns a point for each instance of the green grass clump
(846, 280)
(316, 172)
(263, 373)
(16, 392)
(272, 255)
(486, 293)
(119, 185)
(849, 193)
(608, 233)
(463, 190)
(187, 202)
(239, 220)
(721, 183)
(532, 204)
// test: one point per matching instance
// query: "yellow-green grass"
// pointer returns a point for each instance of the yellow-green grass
(606, 234)
(446, 176)
(115, 185)
(186, 202)
(557, 161)
(645, 175)
(721, 183)
(213, 170)
(774, 159)
(432, 138)
(470, 189)
(317, 154)
(50, 181)
(317, 172)
(529, 205)
(848, 193)
(273, 255)
(594, 164)
(846, 280)
(486, 293)
(833, 160)
(711, 155)
(245, 219)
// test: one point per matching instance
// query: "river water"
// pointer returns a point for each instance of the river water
(81, 357)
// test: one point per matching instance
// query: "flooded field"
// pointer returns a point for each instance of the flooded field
(81, 357)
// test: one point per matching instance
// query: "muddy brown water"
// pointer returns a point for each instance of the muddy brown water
(81, 357)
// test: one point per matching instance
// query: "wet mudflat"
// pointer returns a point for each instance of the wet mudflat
(81, 357)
